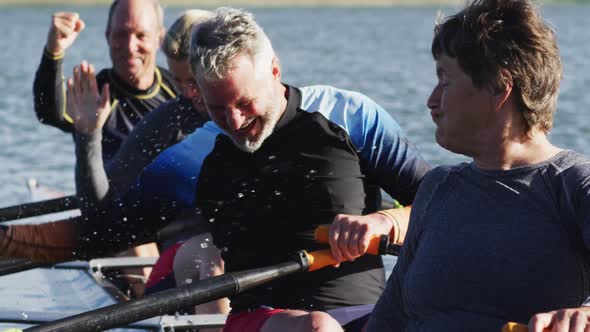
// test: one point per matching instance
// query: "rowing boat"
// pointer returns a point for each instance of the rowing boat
(46, 294)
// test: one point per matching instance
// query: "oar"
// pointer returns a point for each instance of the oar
(34, 209)
(13, 265)
(203, 291)
(514, 327)
(517, 327)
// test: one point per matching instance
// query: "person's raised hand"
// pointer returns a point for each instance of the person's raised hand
(65, 28)
(88, 107)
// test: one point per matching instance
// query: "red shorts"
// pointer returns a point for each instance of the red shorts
(162, 276)
(249, 321)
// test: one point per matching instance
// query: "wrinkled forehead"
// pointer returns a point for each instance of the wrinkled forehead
(240, 83)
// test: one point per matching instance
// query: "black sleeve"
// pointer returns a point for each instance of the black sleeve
(154, 133)
(49, 91)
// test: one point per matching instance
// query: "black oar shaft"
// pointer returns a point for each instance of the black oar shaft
(163, 302)
(38, 208)
(13, 265)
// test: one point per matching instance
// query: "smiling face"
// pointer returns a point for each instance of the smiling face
(244, 103)
(134, 37)
(461, 111)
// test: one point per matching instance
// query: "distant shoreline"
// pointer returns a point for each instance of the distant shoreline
(254, 3)
(267, 3)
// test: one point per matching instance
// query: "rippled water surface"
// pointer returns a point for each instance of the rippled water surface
(383, 53)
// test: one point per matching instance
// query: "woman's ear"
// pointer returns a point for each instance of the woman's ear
(502, 93)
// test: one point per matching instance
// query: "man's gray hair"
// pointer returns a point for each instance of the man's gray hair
(216, 42)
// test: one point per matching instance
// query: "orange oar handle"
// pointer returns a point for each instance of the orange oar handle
(319, 259)
(322, 233)
(514, 327)
(517, 327)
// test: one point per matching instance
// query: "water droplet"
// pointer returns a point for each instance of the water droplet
(240, 195)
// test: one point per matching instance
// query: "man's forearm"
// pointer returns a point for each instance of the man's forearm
(49, 93)
(50, 242)
(92, 184)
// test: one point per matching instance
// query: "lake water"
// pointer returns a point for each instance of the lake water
(382, 52)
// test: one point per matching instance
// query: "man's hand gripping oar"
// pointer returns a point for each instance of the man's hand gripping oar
(351, 236)
(378, 245)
